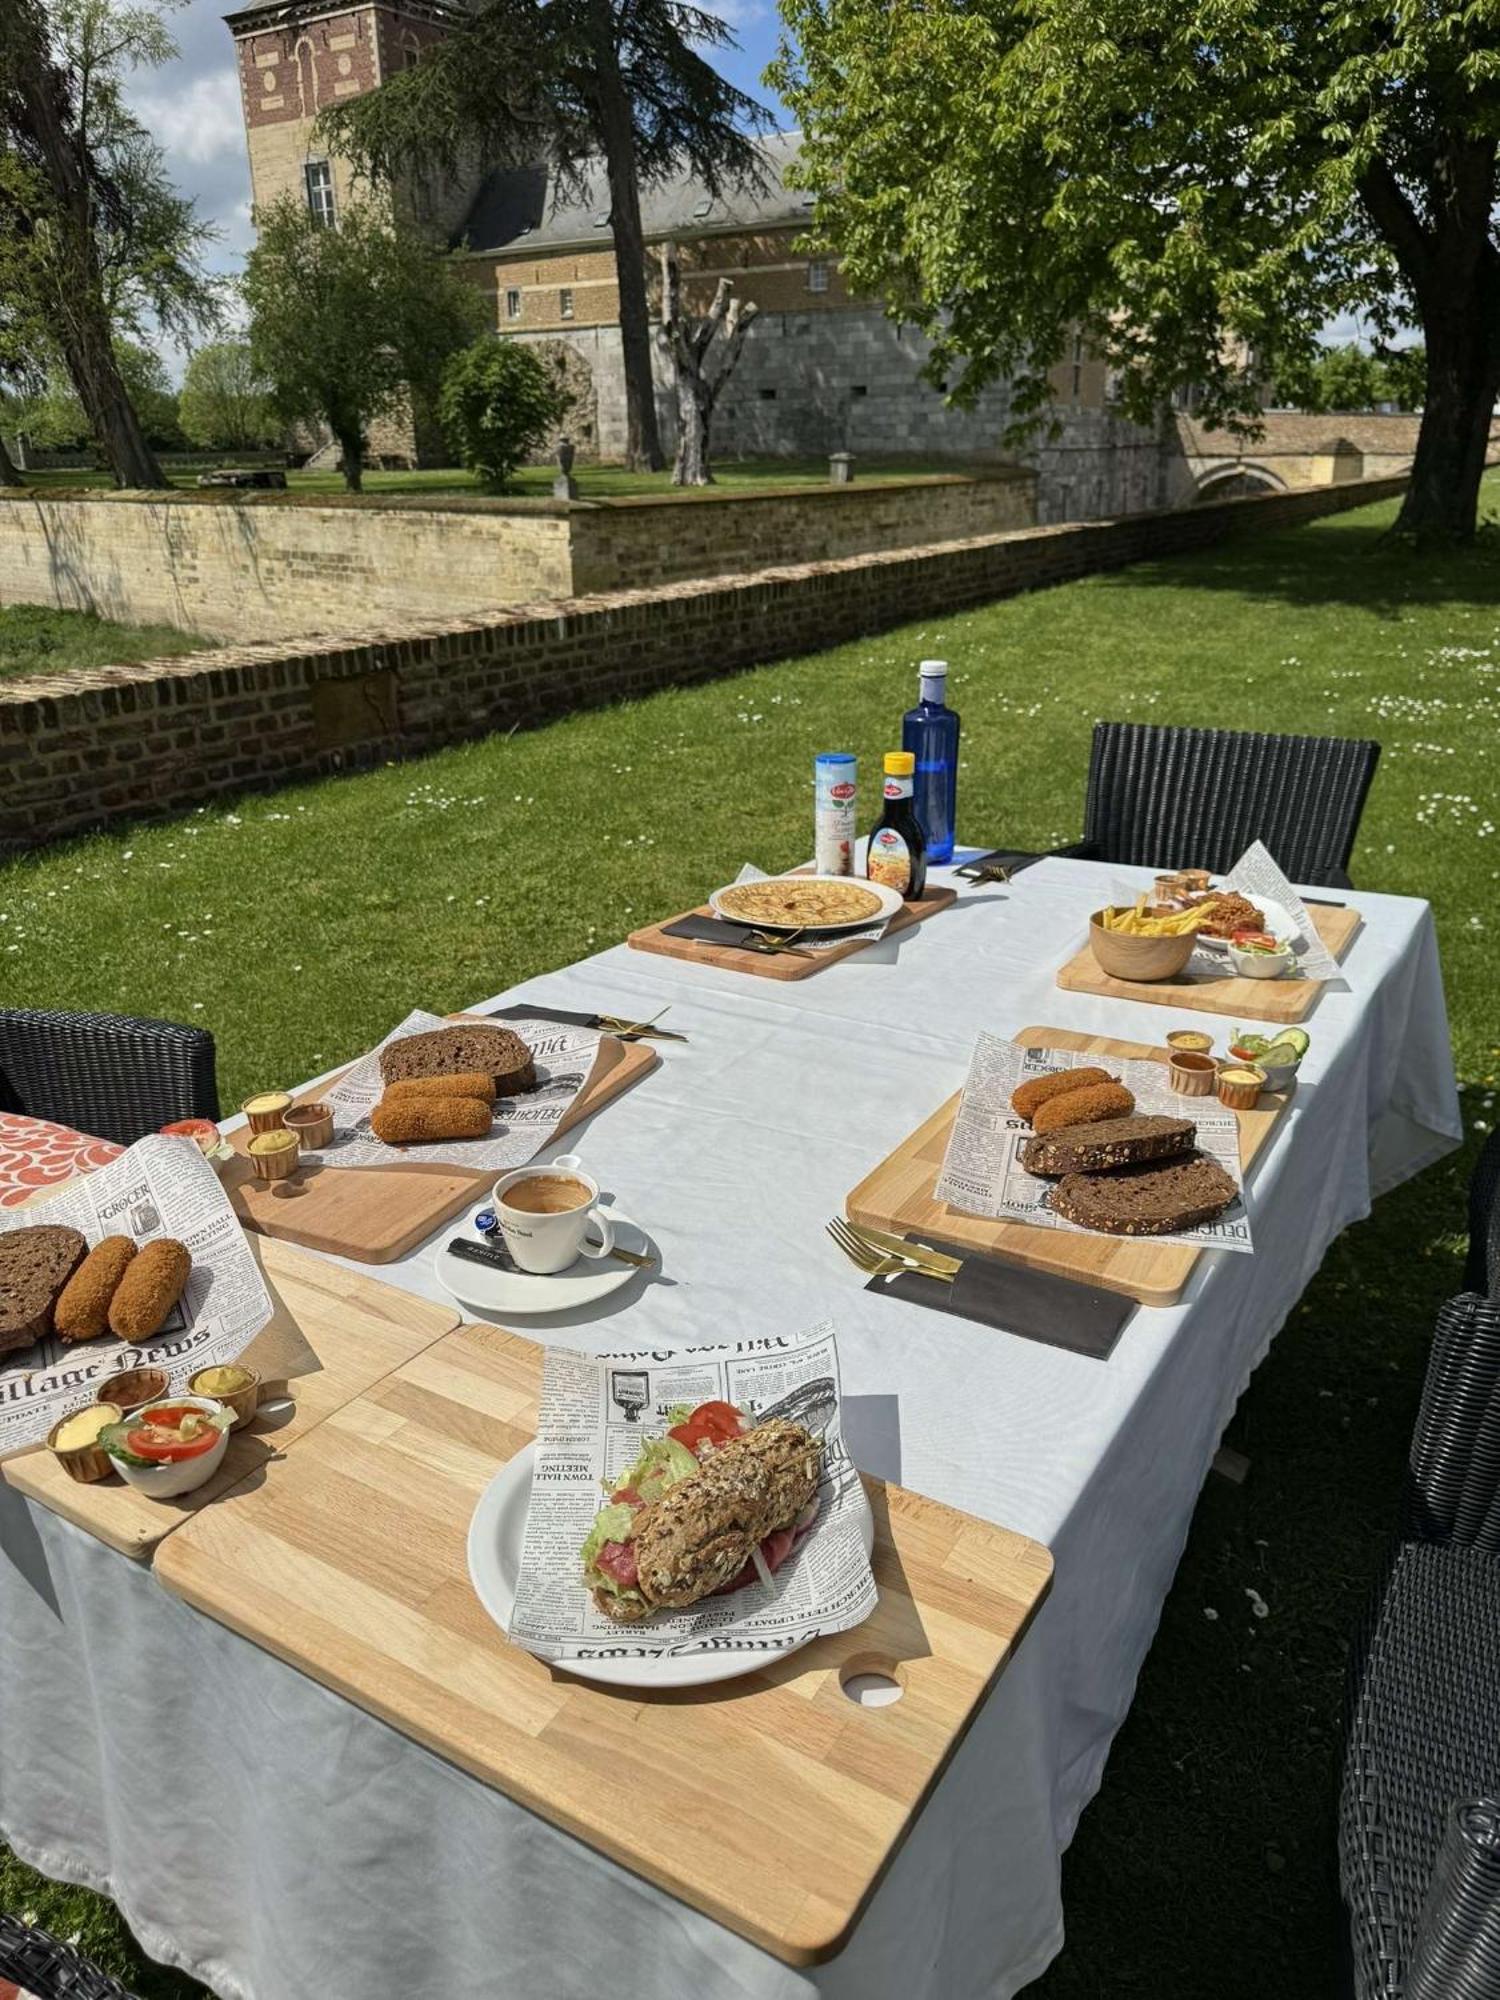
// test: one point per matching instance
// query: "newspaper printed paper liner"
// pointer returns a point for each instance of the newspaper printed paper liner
(982, 1172)
(806, 941)
(597, 1411)
(157, 1187)
(564, 1056)
(1256, 874)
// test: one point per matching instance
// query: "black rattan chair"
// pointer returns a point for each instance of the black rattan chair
(1196, 798)
(1482, 1271)
(1423, 1719)
(105, 1074)
(42, 1964)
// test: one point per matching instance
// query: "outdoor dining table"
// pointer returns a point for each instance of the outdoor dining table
(277, 1841)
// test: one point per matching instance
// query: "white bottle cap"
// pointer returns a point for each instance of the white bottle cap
(933, 669)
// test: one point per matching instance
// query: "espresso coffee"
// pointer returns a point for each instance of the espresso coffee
(547, 1194)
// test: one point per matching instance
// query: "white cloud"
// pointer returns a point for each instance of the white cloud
(197, 119)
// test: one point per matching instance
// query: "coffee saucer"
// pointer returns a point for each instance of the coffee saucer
(485, 1288)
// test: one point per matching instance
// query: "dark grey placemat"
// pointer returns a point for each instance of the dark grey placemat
(1036, 1305)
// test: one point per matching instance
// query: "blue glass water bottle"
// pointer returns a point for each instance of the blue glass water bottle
(930, 732)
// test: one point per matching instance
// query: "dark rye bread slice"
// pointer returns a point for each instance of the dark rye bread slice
(1152, 1199)
(1112, 1142)
(497, 1052)
(35, 1264)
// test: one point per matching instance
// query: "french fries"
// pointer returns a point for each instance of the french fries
(1136, 923)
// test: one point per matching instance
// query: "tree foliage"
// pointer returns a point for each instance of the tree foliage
(1192, 183)
(346, 323)
(567, 81)
(95, 243)
(1352, 377)
(55, 420)
(499, 401)
(225, 402)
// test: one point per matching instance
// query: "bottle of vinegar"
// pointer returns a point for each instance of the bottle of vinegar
(897, 854)
(930, 732)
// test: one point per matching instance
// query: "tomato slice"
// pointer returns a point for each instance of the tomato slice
(172, 1432)
(712, 1424)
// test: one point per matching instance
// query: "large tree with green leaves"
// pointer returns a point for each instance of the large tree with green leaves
(1182, 180)
(346, 324)
(94, 242)
(226, 402)
(568, 81)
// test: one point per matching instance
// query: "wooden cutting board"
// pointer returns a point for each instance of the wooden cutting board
(772, 1803)
(780, 965)
(377, 1214)
(333, 1334)
(1279, 1000)
(899, 1197)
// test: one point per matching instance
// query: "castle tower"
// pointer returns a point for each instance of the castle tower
(296, 57)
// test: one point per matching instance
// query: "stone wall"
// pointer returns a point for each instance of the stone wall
(262, 567)
(82, 749)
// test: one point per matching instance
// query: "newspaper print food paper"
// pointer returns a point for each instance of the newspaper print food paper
(564, 1056)
(805, 942)
(157, 1187)
(982, 1172)
(596, 1413)
(1256, 874)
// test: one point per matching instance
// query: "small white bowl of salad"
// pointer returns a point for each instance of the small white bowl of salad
(1279, 1056)
(171, 1446)
(1259, 955)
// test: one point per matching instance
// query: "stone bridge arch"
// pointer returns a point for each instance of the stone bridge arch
(1234, 478)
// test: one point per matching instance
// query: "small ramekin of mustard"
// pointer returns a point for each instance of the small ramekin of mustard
(1240, 1085)
(265, 1110)
(236, 1387)
(1192, 1073)
(75, 1441)
(312, 1123)
(133, 1388)
(274, 1154)
(1190, 1041)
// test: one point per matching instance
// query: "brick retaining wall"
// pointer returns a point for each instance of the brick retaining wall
(79, 750)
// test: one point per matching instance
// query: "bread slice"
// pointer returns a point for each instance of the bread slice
(1113, 1142)
(1152, 1199)
(499, 1053)
(35, 1264)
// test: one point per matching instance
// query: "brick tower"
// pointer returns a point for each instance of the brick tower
(295, 58)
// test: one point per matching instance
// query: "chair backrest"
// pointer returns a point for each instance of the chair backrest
(1453, 1485)
(105, 1074)
(1196, 798)
(1482, 1270)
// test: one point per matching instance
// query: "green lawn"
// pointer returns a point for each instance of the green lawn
(595, 482)
(34, 640)
(1206, 1864)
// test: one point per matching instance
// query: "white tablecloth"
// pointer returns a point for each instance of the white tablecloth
(279, 1843)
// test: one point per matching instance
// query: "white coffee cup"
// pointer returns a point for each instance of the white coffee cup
(543, 1242)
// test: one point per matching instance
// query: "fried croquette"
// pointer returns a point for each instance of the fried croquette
(1030, 1097)
(1084, 1107)
(466, 1083)
(82, 1310)
(151, 1286)
(409, 1121)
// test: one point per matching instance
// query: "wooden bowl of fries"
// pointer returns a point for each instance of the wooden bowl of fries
(1140, 945)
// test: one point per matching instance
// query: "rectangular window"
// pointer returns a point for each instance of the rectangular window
(817, 275)
(565, 303)
(318, 176)
(513, 303)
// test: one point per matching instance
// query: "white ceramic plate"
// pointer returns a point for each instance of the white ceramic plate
(495, 1536)
(585, 1281)
(1279, 922)
(890, 902)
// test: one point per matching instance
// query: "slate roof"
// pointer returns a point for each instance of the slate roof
(524, 207)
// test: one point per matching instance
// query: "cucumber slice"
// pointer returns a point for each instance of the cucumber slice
(1298, 1038)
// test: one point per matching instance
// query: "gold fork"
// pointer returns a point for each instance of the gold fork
(900, 1246)
(879, 1263)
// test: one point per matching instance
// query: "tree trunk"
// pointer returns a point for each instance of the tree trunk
(352, 455)
(642, 436)
(1463, 378)
(9, 475)
(694, 409)
(89, 353)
